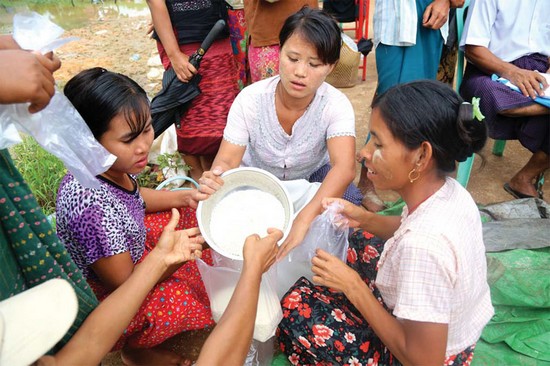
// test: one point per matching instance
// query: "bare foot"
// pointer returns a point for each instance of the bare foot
(526, 188)
(151, 356)
(371, 201)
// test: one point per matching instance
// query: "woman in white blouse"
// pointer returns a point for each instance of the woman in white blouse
(295, 125)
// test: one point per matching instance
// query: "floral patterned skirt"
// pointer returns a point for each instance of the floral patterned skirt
(322, 327)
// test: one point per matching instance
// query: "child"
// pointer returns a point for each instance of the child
(420, 298)
(104, 229)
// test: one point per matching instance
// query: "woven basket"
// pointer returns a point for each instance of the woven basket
(344, 74)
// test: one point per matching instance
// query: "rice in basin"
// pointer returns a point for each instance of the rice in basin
(242, 213)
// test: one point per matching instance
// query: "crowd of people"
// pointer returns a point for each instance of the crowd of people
(413, 289)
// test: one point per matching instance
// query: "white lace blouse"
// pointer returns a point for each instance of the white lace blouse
(253, 122)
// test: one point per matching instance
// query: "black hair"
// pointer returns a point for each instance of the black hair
(317, 27)
(100, 95)
(432, 111)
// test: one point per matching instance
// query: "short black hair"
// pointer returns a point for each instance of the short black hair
(317, 27)
(100, 95)
(429, 110)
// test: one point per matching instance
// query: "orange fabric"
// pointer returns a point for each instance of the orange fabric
(265, 20)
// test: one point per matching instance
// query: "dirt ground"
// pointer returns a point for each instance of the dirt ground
(122, 45)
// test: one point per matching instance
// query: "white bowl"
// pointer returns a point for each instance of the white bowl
(235, 180)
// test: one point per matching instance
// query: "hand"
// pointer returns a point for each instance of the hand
(436, 14)
(356, 215)
(184, 70)
(192, 198)
(529, 82)
(178, 246)
(150, 28)
(295, 237)
(331, 272)
(261, 252)
(27, 77)
(210, 181)
(8, 43)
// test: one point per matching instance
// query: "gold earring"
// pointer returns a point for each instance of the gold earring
(413, 177)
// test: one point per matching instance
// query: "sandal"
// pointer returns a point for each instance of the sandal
(518, 194)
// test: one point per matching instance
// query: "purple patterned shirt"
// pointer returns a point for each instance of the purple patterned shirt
(99, 223)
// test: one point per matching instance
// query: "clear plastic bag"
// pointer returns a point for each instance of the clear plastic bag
(220, 282)
(58, 128)
(329, 231)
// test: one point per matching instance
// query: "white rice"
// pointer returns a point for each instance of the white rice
(243, 213)
(267, 315)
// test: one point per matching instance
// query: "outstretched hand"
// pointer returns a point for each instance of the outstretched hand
(294, 238)
(260, 253)
(178, 246)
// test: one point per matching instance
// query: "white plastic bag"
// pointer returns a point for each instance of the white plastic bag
(220, 283)
(329, 231)
(58, 128)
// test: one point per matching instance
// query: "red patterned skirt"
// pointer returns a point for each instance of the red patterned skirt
(202, 125)
(177, 304)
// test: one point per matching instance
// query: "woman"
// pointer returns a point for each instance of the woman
(180, 27)
(420, 298)
(293, 124)
(106, 230)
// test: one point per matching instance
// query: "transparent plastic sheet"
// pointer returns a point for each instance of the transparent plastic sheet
(220, 282)
(58, 128)
(260, 353)
(329, 231)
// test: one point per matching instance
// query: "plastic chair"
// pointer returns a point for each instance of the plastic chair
(362, 30)
(464, 168)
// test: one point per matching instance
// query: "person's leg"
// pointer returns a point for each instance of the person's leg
(388, 66)
(529, 110)
(523, 180)
(370, 201)
(194, 163)
(206, 162)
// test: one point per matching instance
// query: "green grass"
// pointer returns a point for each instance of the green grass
(42, 171)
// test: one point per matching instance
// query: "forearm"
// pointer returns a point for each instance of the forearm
(229, 156)
(407, 344)
(334, 185)
(106, 323)
(230, 341)
(161, 200)
(381, 226)
(486, 61)
(456, 3)
(163, 26)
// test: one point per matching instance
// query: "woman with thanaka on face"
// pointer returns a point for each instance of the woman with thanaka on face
(295, 125)
(106, 231)
(420, 298)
